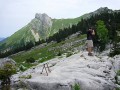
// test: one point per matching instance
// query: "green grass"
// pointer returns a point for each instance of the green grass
(117, 89)
(76, 87)
(63, 23)
(118, 72)
(26, 77)
(36, 54)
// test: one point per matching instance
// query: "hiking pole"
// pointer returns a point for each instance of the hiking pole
(48, 67)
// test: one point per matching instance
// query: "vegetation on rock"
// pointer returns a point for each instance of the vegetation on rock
(5, 73)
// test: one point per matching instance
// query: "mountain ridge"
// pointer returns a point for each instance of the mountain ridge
(41, 27)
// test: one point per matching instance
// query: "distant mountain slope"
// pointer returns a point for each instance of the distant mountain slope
(18, 38)
(1, 38)
(63, 23)
(41, 27)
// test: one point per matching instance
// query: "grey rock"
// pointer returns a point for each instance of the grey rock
(3, 61)
(116, 62)
(89, 72)
(42, 25)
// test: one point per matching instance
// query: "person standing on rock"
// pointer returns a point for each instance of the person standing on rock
(90, 34)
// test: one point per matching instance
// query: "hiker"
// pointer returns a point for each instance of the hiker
(90, 34)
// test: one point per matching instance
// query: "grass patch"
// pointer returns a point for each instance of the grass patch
(118, 72)
(76, 87)
(26, 77)
(117, 89)
(68, 54)
(30, 60)
(31, 56)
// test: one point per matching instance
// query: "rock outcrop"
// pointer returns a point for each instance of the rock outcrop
(3, 61)
(41, 26)
(91, 73)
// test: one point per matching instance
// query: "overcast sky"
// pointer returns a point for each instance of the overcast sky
(14, 14)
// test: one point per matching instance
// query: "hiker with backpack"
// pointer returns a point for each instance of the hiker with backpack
(90, 34)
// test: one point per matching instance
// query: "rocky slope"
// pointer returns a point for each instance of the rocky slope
(91, 73)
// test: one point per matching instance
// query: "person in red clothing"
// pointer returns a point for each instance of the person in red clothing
(90, 34)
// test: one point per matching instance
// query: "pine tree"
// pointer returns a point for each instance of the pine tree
(116, 44)
(102, 33)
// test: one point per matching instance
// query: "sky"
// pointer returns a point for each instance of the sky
(15, 14)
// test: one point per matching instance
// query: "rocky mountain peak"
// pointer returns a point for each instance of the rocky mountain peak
(41, 16)
(98, 12)
(103, 9)
(44, 18)
(41, 25)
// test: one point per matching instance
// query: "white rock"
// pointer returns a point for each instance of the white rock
(90, 72)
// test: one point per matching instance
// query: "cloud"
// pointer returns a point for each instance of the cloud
(17, 13)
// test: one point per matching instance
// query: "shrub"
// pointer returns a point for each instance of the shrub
(59, 54)
(26, 77)
(5, 73)
(30, 60)
(68, 54)
(115, 52)
(22, 68)
(117, 88)
(116, 77)
(102, 33)
(76, 87)
(118, 72)
(116, 44)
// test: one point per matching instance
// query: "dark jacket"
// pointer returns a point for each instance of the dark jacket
(89, 35)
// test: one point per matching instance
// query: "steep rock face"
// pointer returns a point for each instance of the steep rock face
(91, 73)
(41, 26)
